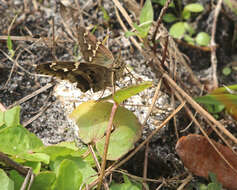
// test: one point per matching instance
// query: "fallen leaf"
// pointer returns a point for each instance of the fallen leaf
(200, 158)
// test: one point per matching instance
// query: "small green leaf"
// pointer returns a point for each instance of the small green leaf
(9, 46)
(140, 31)
(189, 39)
(169, 17)
(146, 17)
(11, 117)
(146, 12)
(162, 2)
(189, 28)
(177, 30)
(202, 187)
(186, 14)
(127, 185)
(194, 7)
(106, 15)
(203, 39)
(226, 71)
(128, 92)
(129, 34)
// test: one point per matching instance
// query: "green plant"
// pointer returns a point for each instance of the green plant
(63, 166)
(146, 19)
(220, 99)
(181, 27)
(226, 71)
(213, 185)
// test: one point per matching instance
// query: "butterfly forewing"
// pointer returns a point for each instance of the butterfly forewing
(94, 51)
(86, 75)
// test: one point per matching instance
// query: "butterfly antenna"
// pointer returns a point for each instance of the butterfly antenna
(105, 40)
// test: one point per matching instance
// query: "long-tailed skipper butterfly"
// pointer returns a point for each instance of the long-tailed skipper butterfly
(96, 73)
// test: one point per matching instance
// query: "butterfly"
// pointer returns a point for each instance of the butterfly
(98, 71)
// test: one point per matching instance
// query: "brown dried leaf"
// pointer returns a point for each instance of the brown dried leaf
(201, 158)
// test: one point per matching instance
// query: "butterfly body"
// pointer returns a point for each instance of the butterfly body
(96, 73)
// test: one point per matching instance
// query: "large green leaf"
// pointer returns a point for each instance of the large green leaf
(5, 182)
(44, 181)
(92, 120)
(20, 143)
(88, 173)
(68, 177)
(17, 178)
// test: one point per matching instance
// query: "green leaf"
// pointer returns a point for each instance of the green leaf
(177, 30)
(186, 14)
(214, 109)
(194, 7)
(92, 120)
(189, 39)
(128, 92)
(189, 28)
(129, 33)
(202, 187)
(162, 2)
(88, 173)
(146, 17)
(226, 71)
(44, 181)
(10, 117)
(232, 4)
(127, 185)
(5, 182)
(105, 14)
(36, 166)
(140, 32)
(68, 176)
(203, 39)
(225, 89)
(9, 46)
(17, 178)
(20, 143)
(169, 17)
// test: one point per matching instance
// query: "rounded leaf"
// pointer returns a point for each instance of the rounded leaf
(226, 71)
(169, 17)
(177, 30)
(203, 39)
(92, 120)
(194, 7)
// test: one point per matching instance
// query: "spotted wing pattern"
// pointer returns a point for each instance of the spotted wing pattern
(94, 51)
(86, 75)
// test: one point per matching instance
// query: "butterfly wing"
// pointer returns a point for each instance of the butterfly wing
(86, 75)
(94, 51)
